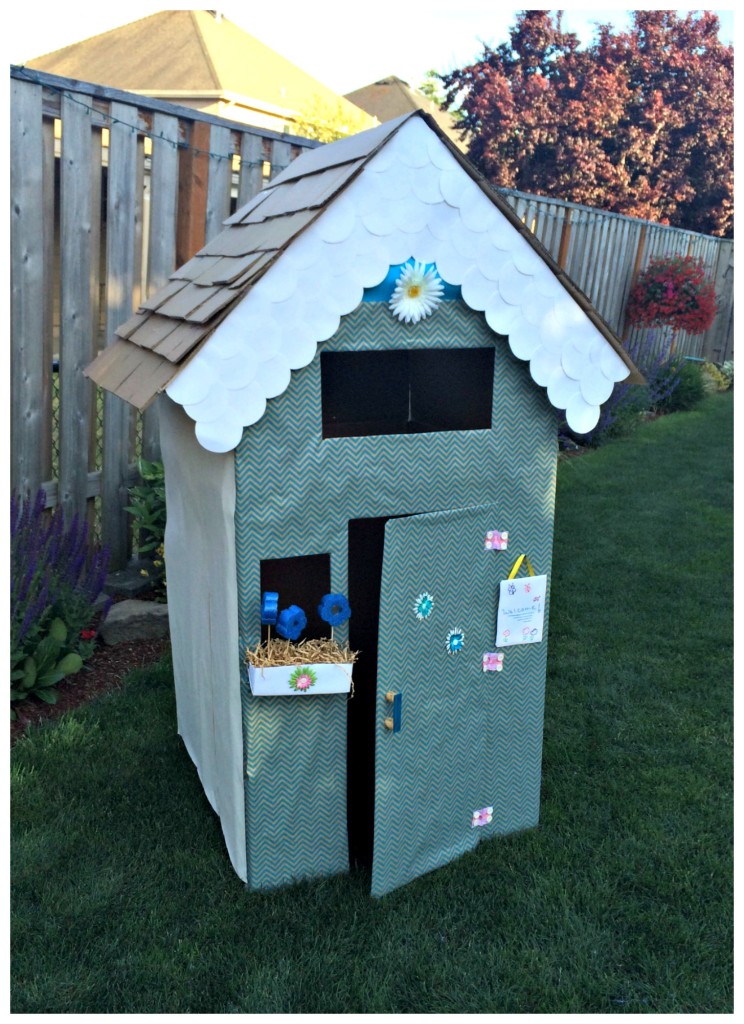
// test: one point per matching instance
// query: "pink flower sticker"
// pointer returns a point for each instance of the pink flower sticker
(482, 817)
(493, 661)
(496, 540)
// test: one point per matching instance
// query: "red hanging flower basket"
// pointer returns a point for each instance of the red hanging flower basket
(673, 292)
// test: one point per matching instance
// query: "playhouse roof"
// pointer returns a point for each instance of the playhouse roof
(225, 333)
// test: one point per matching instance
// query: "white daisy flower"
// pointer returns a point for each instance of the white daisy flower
(417, 293)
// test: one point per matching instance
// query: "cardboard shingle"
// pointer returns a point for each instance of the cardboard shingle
(232, 262)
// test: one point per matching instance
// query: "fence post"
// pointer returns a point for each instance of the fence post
(28, 281)
(634, 276)
(565, 241)
(193, 174)
(76, 347)
(161, 257)
(119, 289)
(251, 167)
(716, 342)
(220, 178)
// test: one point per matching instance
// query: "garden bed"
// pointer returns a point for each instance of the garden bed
(104, 672)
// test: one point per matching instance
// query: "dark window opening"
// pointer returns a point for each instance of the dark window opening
(303, 581)
(406, 392)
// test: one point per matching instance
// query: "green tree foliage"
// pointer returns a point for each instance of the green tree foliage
(327, 122)
(640, 122)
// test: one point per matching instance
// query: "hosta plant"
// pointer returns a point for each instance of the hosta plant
(54, 585)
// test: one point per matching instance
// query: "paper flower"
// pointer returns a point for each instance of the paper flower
(496, 540)
(291, 622)
(334, 609)
(423, 606)
(493, 662)
(455, 641)
(417, 293)
(269, 608)
(302, 679)
(482, 817)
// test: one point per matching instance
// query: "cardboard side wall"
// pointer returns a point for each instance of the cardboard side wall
(203, 614)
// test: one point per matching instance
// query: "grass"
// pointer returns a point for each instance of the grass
(620, 902)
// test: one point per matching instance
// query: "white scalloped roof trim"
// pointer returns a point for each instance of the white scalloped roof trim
(413, 199)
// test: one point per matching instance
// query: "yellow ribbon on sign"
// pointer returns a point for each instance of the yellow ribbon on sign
(518, 563)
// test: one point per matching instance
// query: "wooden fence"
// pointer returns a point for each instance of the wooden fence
(603, 254)
(110, 192)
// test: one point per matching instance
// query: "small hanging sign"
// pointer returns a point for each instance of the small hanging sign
(521, 607)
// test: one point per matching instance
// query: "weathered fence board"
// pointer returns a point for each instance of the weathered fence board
(219, 180)
(251, 168)
(27, 285)
(161, 250)
(159, 209)
(75, 342)
(46, 343)
(120, 269)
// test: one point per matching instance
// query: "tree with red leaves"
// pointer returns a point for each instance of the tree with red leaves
(640, 122)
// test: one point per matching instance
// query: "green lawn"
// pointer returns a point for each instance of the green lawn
(620, 902)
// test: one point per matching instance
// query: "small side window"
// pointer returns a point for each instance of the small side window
(302, 580)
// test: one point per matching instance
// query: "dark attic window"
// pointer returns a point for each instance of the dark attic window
(301, 580)
(406, 392)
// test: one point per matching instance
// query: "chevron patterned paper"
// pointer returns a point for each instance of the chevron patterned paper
(296, 493)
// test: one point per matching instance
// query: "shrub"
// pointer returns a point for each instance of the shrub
(713, 379)
(688, 391)
(149, 514)
(54, 584)
(727, 369)
(673, 291)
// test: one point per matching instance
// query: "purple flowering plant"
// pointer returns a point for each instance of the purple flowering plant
(627, 403)
(54, 584)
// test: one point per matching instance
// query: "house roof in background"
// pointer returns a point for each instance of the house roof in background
(391, 97)
(192, 53)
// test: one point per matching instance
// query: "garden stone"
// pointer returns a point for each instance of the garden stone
(134, 620)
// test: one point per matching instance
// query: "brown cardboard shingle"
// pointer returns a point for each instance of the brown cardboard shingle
(180, 317)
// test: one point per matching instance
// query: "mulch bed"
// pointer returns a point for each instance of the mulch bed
(104, 672)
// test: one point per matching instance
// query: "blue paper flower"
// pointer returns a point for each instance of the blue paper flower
(455, 641)
(423, 606)
(269, 608)
(291, 622)
(334, 609)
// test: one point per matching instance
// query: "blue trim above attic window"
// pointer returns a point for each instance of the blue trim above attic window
(383, 291)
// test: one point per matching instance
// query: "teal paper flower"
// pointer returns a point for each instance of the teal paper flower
(423, 606)
(455, 641)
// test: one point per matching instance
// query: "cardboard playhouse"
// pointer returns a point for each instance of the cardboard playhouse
(361, 378)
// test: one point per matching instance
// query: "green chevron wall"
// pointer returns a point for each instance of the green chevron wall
(295, 495)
